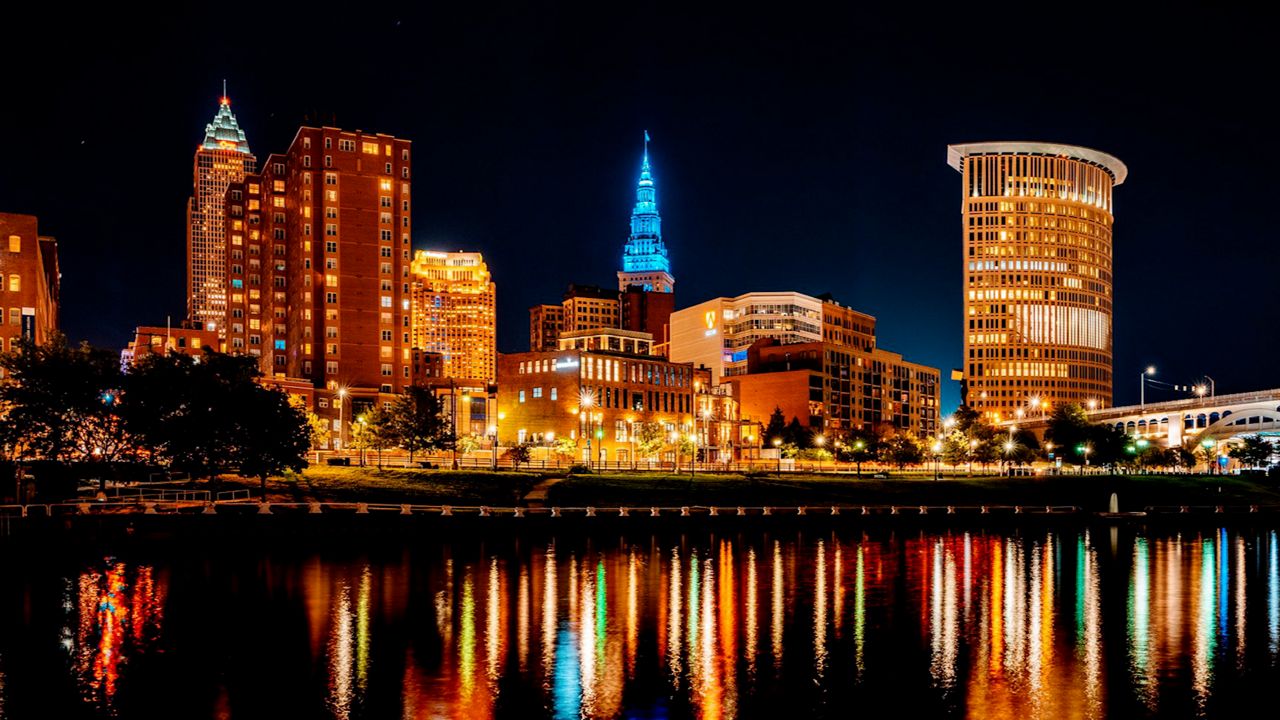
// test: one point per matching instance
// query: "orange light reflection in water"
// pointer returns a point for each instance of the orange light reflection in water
(1012, 625)
(118, 616)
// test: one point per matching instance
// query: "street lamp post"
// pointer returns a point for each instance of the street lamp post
(675, 440)
(777, 445)
(363, 431)
(342, 426)
(493, 434)
(1084, 450)
(973, 446)
(706, 435)
(585, 403)
(858, 447)
(937, 458)
(693, 462)
(820, 441)
(1142, 392)
(631, 435)
(1208, 459)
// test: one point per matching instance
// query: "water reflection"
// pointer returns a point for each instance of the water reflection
(985, 625)
(114, 612)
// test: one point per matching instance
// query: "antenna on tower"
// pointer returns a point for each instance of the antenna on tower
(224, 90)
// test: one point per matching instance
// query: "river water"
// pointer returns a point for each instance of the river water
(1040, 623)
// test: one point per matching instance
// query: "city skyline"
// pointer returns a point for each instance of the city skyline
(850, 185)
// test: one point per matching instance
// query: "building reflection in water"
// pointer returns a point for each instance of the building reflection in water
(1010, 626)
(115, 614)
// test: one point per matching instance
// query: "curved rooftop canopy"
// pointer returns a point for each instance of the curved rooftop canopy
(1110, 163)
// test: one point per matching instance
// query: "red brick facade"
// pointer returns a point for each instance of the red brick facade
(29, 281)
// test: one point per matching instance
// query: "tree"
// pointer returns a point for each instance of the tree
(650, 438)
(776, 428)
(859, 446)
(518, 454)
(567, 448)
(193, 411)
(1253, 451)
(1183, 458)
(273, 434)
(955, 448)
(467, 444)
(683, 447)
(1070, 431)
(63, 403)
(377, 430)
(796, 435)
(317, 427)
(419, 421)
(902, 449)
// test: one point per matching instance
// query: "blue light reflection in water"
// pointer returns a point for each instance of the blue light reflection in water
(1027, 624)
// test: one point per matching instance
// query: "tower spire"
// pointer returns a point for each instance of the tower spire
(225, 99)
(644, 258)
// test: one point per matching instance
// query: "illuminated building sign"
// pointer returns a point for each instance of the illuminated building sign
(710, 319)
(566, 363)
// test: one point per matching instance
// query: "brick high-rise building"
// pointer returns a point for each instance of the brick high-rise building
(29, 282)
(222, 158)
(588, 307)
(454, 312)
(546, 322)
(325, 273)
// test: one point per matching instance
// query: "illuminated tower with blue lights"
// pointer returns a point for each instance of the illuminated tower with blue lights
(644, 259)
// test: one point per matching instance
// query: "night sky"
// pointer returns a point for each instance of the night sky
(793, 150)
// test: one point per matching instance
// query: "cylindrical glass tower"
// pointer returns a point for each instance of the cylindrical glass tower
(1037, 265)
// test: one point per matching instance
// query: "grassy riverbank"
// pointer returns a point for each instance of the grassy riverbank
(396, 485)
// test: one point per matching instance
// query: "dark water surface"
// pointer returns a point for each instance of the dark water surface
(918, 623)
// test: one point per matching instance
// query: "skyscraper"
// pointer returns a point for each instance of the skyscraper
(644, 259)
(318, 267)
(1037, 223)
(222, 158)
(453, 306)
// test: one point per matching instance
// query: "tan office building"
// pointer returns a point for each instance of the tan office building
(1037, 223)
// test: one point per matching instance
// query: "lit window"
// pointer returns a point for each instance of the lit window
(15, 244)
(369, 148)
(553, 393)
(15, 283)
(386, 300)
(537, 392)
(521, 396)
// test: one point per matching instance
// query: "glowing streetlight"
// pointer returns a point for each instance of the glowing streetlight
(777, 444)
(342, 427)
(1142, 395)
